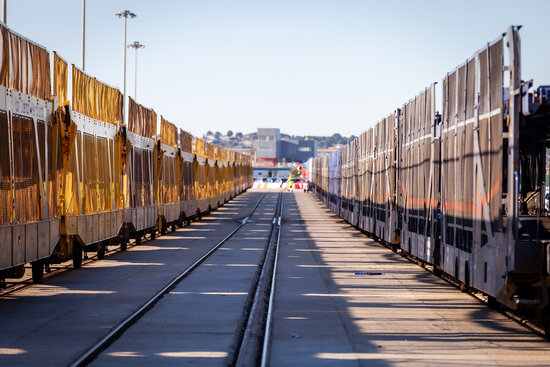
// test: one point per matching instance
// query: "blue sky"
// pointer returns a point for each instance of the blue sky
(309, 67)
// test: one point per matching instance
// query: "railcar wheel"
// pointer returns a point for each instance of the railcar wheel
(138, 240)
(188, 221)
(180, 224)
(77, 256)
(153, 235)
(37, 271)
(123, 245)
(174, 227)
(464, 287)
(163, 230)
(100, 251)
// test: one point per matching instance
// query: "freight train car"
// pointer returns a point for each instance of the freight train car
(469, 183)
(74, 178)
(30, 155)
(138, 167)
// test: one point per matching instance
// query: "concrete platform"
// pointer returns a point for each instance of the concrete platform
(326, 315)
(52, 323)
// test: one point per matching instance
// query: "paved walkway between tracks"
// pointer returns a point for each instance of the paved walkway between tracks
(396, 314)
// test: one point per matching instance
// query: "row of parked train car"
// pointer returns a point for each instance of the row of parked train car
(463, 189)
(74, 177)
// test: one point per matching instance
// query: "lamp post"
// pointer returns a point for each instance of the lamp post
(83, 33)
(124, 14)
(136, 46)
(4, 11)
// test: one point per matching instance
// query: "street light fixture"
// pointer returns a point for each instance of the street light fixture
(136, 46)
(124, 14)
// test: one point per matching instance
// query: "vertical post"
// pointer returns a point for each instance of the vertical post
(5, 11)
(124, 14)
(124, 73)
(512, 39)
(136, 46)
(83, 33)
(135, 74)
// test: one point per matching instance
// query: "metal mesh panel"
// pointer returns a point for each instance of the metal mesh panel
(495, 188)
(496, 70)
(471, 89)
(141, 120)
(200, 180)
(60, 76)
(187, 178)
(452, 99)
(186, 142)
(147, 156)
(483, 82)
(96, 99)
(169, 180)
(73, 177)
(210, 149)
(103, 176)
(90, 177)
(469, 172)
(25, 66)
(168, 133)
(25, 166)
(140, 169)
(461, 93)
(5, 172)
(445, 91)
(41, 132)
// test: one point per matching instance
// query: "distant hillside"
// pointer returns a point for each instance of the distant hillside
(240, 140)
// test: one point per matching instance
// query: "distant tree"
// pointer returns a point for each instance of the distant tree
(294, 172)
(218, 134)
(209, 133)
(229, 133)
(239, 135)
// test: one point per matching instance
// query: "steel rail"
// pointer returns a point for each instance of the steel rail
(269, 317)
(92, 352)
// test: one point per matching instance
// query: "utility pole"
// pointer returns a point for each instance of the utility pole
(136, 46)
(5, 12)
(83, 33)
(124, 14)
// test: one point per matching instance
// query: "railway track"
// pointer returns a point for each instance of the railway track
(254, 341)
(118, 330)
